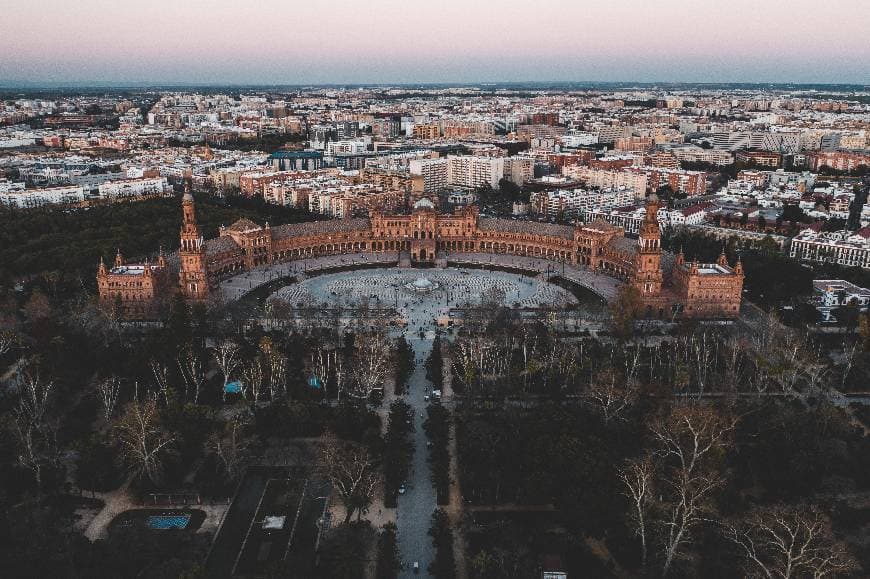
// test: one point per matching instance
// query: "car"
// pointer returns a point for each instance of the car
(416, 567)
(401, 489)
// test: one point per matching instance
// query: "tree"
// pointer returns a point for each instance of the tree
(352, 472)
(253, 376)
(144, 442)
(192, 371)
(231, 447)
(444, 566)
(345, 551)
(404, 364)
(397, 449)
(389, 559)
(434, 365)
(276, 368)
(8, 338)
(508, 188)
(782, 542)
(637, 476)
(36, 438)
(227, 357)
(611, 394)
(665, 192)
(372, 359)
(625, 309)
(160, 374)
(687, 440)
(109, 391)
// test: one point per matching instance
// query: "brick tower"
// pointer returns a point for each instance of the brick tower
(192, 276)
(648, 275)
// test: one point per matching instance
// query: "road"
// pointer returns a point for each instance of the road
(415, 507)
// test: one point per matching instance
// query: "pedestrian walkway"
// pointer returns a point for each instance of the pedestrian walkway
(416, 506)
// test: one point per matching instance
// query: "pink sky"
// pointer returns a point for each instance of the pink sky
(291, 41)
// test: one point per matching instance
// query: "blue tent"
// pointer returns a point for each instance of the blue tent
(233, 387)
(315, 382)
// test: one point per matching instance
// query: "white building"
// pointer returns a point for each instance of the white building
(474, 172)
(134, 188)
(849, 248)
(37, 197)
(831, 294)
(434, 172)
(573, 203)
(608, 178)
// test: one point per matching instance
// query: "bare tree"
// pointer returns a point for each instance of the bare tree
(691, 433)
(734, 353)
(252, 388)
(231, 447)
(638, 477)
(686, 439)
(227, 357)
(848, 362)
(37, 445)
(481, 357)
(143, 441)
(276, 366)
(340, 375)
(160, 373)
(109, 390)
(321, 363)
(372, 362)
(37, 440)
(700, 350)
(353, 473)
(8, 338)
(192, 370)
(611, 394)
(34, 392)
(782, 542)
(277, 375)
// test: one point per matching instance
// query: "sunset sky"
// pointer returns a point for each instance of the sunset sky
(393, 41)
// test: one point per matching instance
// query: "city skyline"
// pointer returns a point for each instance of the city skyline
(412, 42)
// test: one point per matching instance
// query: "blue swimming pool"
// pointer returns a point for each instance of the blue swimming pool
(168, 521)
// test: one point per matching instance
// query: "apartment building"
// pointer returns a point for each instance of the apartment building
(848, 248)
(688, 182)
(575, 203)
(606, 179)
(427, 132)
(433, 171)
(837, 160)
(761, 158)
(473, 172)
(29, 198)
(134, 188)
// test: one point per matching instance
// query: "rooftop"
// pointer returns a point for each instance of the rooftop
(526, 227)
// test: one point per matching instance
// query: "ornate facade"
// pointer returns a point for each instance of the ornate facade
(427, 237)
(133, 288)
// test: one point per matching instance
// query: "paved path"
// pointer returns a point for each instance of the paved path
(115, 503)
(120, 500)
(417, 504)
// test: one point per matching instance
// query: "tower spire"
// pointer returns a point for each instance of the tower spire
(193, 276)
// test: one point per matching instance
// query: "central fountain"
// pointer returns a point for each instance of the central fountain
(422, 285)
